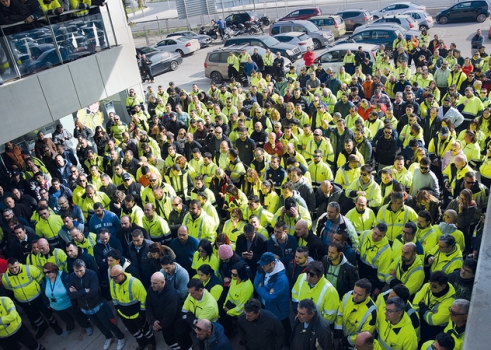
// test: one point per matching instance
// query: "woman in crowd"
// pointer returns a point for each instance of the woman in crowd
(234, 227)
(81, 130)
(269, 197)
(156, 251)
(424, 200)
(471, 148)
(252, 183)
(449, 157)
(100, 139)
(56, 293)
(204, 255)
(211, 282)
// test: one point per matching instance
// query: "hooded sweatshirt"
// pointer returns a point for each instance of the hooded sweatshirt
(273, 290)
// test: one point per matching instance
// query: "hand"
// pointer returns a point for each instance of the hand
(430, 260)
(156, 326)
(28, 20)
(294, 212)
(72, 289)
(393, 273)
(225, 309)
(59, 10)
(87, 290)
(277, 257)
(271, 291)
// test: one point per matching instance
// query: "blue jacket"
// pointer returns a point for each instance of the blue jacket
(110, 221)
(218, 340)
(287, 254)
(277, 302)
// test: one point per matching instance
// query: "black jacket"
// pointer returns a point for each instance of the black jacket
(315, 245)
(83, 255)
(86, 300)
(164, 307)
(318, 331)
(347, 276)
(175, 219)
(141, 260)
(124, 237)
(264, 333)
(258, 247)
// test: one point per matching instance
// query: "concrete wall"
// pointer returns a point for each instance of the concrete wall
(42, 98)
(477, 334)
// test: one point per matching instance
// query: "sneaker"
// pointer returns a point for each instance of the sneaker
(121, 344)
(107, 343)
(65, 333)
(42, 328)
(89, 331)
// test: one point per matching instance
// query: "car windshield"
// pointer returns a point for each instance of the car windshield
(190, 34)
(270, 41)
(147, 49)
(311, 27)
(183, 39)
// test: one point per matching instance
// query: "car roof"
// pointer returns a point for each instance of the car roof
(351, 46)
(349, 10)
(386, 25)
(304, 8)
(299, 21)
(295, 34)
(324, 16)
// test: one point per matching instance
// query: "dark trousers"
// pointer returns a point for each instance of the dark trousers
(178, 335)
(140, 329)
(288, 330)
(102, 320)
(35, 310)
(22, 336)
(72, 314)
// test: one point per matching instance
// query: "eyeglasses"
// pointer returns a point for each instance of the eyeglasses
(153, 180)
(390, 311)
(235, 275)
(257, 155)
(453, 313)
(73, 171)
(311, 274)
(175, 204)
(470, 182)
(48, 272)
(82, 181)
(424, 168)
(317, 135)
(114, 277)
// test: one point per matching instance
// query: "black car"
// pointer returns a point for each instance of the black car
(241, 17)
(147, 50)
(465, 11)
(164, 61)
(289, 51)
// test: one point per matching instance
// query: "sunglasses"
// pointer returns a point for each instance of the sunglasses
(311, 274)
(453, 313)
(48, 272)
(114, 277)
(424, 168)
(235, 275)
(201, 251)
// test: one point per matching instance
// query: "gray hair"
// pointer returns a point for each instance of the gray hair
(463, 305)
(335, 205)
(77, 264)
(448, 239)
(400, 305)
(308, 305)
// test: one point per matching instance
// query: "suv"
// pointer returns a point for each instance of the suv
(384, 34)
(355, 18)
(405, 21)
(332, 22)
(465, 11)
(292, 52)
(303, 13)
(333, 56)
(241, 17)
(216, 67)
(319, 37)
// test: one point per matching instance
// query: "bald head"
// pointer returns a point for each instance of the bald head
(451, 214)
(157, 282)
(326, 186)
(43, 246)
(364, 341)
(302, 229)
(203, 323)
(116, 270)
(411, 247)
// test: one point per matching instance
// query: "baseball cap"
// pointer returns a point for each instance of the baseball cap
(444, 131)
(266, 258)
(126, 176)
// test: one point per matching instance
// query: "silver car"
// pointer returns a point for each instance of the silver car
(405, 21)
(397, 7)
(423, 18)
(297, 38)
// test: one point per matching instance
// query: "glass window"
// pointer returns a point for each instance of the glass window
(299, 29)
(294, 14)
(286, 29)
(275, 30)
(214, 57)
(380, 34)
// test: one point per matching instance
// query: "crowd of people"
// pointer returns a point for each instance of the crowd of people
(356, 198)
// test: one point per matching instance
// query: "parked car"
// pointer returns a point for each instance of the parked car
(164, 61)
(397, 7)
(465, 11)
(321, 38)
(292, 52)
(355, 18)
(296, 38)
(216, 67)
(302, 13)
(334, 23)
(422, 18)
(241, 17)
(179, 44)
(333, 56)
(204, 40)
(382, 34)
(405, 21)
(147, 50)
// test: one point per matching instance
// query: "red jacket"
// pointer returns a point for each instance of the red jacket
(308, 58)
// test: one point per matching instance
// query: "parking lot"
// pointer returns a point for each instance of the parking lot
(192, 69)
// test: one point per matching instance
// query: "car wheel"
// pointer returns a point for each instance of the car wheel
(317, 44)
(216, 77)
(423, 27)
(174, 65)
(443, 20)
(481, 18)
(180, 52)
